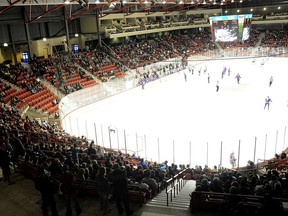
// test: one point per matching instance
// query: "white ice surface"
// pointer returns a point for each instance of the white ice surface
(193, 112)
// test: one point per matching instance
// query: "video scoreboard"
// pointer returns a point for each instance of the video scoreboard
(231, 28)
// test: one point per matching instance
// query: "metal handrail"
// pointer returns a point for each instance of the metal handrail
(177, 183)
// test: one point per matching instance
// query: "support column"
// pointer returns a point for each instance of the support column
(13, 44)
(66, 29)
(27, 31)
(98, 29)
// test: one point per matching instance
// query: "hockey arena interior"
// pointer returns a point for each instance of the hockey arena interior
(145, 108)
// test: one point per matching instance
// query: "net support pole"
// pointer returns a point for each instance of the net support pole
(173, 152)
(86, 128)
(190, 153)
(238, 154)
(125, 142)
(78, 129)
(71, 130)
(109, 134)
(276, 142)
(102, 134)
(95, 130)
(137, 150)
(221, 154)
(255, 149)
(284, 138)
(207, 153)
(117, 133)
(145, 147)
(158, 150)
(265, 147)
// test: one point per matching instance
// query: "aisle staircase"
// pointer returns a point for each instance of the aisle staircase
(261, 36)
(179, 202)
(218, 46)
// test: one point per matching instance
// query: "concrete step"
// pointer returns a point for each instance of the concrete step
(180, 202)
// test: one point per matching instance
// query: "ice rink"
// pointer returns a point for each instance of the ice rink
(178, 121)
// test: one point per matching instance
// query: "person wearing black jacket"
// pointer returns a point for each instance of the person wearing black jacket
(120, 191)
(46, 187)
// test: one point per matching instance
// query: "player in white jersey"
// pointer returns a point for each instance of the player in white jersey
(270, 81)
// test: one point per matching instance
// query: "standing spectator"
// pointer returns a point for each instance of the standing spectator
(74, 152)
(69, 190)
(45, 186)
(103, 189)
(4, 163)
(120, 190)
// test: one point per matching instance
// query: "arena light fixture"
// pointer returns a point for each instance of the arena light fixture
(181, 2)
(5, 44)
(67, 2)
(76, 35)
(204, 2)
(192, 2)
(264, 8)
(251, 9)
(241, 1)
(279, 8)
(44, 39)
(163, 2)
(97, 2)
(226, 11)
(238, 11)
(232, 1)
(214, 2)
(145, 2)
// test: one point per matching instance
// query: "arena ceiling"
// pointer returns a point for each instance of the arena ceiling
(36, 10)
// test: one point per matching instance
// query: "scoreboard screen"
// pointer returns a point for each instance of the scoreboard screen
(230, 28)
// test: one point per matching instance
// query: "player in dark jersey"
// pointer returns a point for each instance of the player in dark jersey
(217, 86)
(238, 77)
(267, 102)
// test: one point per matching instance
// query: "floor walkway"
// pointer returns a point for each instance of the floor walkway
(22, 199)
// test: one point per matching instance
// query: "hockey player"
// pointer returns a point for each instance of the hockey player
(262, 62)
(270, 81)
(267, 102)
(205, 69)
(232, 160)
(217, 86)
(238, 77)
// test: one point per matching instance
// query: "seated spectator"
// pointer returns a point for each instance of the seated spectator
(142, 163)
(91, 150)
(216, 185)
(150, 181)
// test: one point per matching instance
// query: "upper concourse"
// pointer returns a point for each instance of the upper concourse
(40, 27)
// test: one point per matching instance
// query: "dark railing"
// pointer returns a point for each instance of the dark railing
(176, 183)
